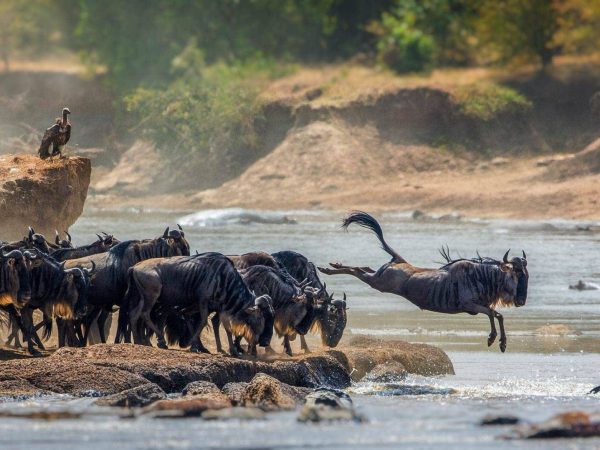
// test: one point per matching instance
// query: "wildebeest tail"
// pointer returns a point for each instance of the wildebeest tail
(178, 331)
(130, 301)
(369, 222)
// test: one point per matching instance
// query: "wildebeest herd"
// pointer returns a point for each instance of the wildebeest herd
(163, 292)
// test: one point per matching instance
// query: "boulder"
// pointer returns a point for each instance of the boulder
(138, 396)
(270, 394)
(327, 405)
(201, 388)
(47, 195)
(235, 391)
(364, 353)
(499, 420)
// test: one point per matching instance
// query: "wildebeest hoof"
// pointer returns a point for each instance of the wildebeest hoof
(502, 345)
(491, 339)
(336, 265)
(324, 270)
(34, 352)
(162, 345)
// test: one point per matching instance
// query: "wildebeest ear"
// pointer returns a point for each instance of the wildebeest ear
(166, 233)
(251, 309)
(11, 262)
(506, 267)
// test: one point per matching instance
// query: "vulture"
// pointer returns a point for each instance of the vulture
(56, 136)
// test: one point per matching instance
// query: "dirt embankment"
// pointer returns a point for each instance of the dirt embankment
(47, 195)
(106, 369)
(342, 138)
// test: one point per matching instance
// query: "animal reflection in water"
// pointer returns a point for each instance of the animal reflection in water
(474, 286)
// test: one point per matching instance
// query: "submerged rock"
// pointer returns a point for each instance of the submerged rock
(327, 405)
(499, 420)
(235, 412)
(138, 396)
(584, 286)
(388, 372)
(571, 424)
(186, 406)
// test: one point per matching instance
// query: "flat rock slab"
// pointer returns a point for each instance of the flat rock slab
(106, 369)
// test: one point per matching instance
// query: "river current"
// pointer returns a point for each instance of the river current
(551, 362)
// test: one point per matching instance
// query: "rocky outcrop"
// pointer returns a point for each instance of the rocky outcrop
(133, 375)
(47, 195)
(364, 354)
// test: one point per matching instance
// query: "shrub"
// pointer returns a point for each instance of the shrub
(486, 101)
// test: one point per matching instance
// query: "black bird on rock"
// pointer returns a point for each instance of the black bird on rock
(56, 136)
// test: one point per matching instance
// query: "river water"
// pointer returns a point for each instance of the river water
(540, 374)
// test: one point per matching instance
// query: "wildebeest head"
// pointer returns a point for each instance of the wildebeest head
(15, 283)
(76, 286)
(330, 315)
(176, 241)
(63, 243)
(37, 241)
(260, 320)
(517, 278)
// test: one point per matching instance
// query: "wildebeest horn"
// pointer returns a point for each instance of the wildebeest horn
(181, 229)
(62, 265)
(524, 255)
(90, 271)
(56, 238)
(505, 259)
(100, 237)
(31, 232)
(68, 235)
(13, 254)
(166, 233)
(344, 296)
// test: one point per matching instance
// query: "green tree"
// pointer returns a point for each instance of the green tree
(525, 29)
(25, 28)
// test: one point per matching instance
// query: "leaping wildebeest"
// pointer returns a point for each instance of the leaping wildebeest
(474, 286)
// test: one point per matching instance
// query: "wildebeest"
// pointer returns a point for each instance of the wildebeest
(63, 243)
(290, 303)
(33, 240)
(56, 291)
(109, 281)
(15, 288)
(56, 136)
(474, 286)
(329, 315)
(103, 244)
(196, 286)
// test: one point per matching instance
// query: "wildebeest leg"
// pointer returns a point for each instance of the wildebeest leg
(364, 274)
(26, 333)
(160, 338)
(199, 324)
(101, 321)
(148, 287)
(61, 326)
(502, 332)
(303, 344)
(216, 322)
(88, 323)
(232, 345)
(27, 318)
(479, 309)
(238, 345)
(286, 345)
(14, 333)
